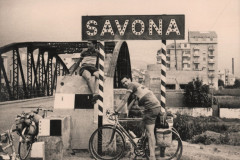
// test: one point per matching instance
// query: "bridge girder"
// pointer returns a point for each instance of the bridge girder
(41, 74)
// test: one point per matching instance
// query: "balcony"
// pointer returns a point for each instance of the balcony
(186, 54)
(196, 61)
(197, 69)
(196, 48)
(211, 48)
(211, 55)
(211, 75)
(211, 69)
(211, 61)
(186, 62)
(186, 69)
(196, 55)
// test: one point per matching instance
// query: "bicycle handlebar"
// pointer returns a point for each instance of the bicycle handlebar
(111, 115)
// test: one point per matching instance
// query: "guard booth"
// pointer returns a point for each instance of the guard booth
(73, 97)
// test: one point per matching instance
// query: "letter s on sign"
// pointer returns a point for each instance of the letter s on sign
(94, 29)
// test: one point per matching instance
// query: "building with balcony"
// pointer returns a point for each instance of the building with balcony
(198, 55)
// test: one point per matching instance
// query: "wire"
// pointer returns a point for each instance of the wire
(220, 14)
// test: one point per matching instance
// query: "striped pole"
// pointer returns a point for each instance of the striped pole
(100, 100)
(163, 74)
(163, 84)
(100, 82)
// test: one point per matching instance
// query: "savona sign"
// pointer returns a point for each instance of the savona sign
(133, 27)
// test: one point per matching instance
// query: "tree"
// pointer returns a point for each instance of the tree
(197, 94)
(220, 83)
(236, 83)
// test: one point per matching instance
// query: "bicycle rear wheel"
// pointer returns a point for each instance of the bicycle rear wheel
(172, 151)
(107, 143)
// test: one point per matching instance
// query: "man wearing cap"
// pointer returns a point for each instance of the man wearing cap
(89, 67)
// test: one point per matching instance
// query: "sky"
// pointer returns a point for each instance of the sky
(60, 20)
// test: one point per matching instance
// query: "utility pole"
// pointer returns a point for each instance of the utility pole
(175, 53)
(233, 66)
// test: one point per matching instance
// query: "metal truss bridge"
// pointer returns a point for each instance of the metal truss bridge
(30, 69)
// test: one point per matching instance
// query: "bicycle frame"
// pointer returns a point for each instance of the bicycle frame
(118, 126)
(8, 134)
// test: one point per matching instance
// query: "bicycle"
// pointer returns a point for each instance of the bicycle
(27, 123)
(7, 138)
(109, 142)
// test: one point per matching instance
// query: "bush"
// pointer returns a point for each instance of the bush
(196, 95)
(210, 137)
(189, 126)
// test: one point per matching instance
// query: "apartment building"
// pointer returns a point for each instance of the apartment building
(198, 55)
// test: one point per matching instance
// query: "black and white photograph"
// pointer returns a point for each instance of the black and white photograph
(119, 80)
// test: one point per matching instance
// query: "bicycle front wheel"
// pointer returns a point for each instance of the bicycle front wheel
(172, 150)
(25, 145)
(24, 149)
(107, 143)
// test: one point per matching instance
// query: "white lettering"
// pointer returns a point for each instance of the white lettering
(142, 27)
(121, 29)
(107, 28)
(91, 28)
(173, 27)
(158, 29)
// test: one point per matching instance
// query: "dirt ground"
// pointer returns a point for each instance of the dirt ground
(210, 152)
(190, 152)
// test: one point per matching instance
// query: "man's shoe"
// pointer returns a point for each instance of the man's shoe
(95, 98)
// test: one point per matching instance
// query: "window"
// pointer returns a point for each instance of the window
(55, 128)
(168, 58)
(204, 59)
(185, 45)
(211, 39)
(83, 101)
(196, 66)
(170, 86)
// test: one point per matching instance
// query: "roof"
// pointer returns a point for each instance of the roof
(178, 45)
(208, 34)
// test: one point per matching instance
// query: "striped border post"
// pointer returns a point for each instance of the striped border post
(100, 83)
(101, 95)
(163, 74)
(163, 84)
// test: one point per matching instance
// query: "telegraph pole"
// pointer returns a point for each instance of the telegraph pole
(175, 53)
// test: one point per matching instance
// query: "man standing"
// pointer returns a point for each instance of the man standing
(151, 106)
(89, 67)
